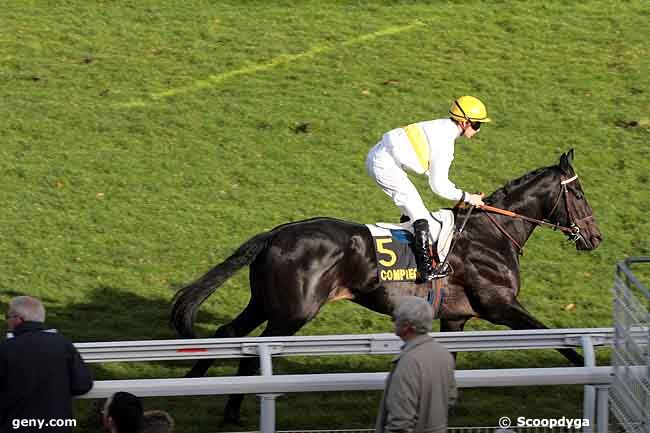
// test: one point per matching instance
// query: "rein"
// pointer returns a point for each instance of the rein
(514, 215)
(573, 231)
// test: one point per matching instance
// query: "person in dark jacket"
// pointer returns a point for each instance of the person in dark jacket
(40, 372)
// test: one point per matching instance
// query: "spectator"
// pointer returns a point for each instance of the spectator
(40, 372)
(421, 386)
(158, 421)
(123, 413)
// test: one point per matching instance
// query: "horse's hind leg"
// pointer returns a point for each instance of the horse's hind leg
(453, 326)
(249, 319)
(514, 315)
(250, 366)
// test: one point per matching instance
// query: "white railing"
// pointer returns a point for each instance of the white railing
(290, 383)
(368, 344)
(371, 344)
(600, 377)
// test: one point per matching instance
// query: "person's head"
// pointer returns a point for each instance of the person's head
(469, 113)
(413, 316)
(123, 413)
(24, 309)
(157, 421)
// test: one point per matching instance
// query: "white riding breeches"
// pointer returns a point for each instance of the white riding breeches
(394, 181)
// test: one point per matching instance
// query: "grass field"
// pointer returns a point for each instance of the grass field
(143, 141)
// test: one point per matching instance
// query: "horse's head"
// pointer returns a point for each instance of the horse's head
(571, 209)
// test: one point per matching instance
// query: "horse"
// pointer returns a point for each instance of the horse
(299, 266)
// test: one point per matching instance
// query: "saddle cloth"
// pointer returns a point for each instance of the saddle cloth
(394, 252)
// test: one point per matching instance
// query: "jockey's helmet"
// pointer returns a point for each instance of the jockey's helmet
(469, 109)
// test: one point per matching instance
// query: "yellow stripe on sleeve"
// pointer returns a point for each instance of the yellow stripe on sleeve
(419, 142)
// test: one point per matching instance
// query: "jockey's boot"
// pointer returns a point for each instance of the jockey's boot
(423, 251)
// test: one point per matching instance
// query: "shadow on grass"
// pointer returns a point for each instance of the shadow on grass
(8, 293)
(116, 314)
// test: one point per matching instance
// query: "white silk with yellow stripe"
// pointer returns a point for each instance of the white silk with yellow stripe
(423, 148)
(420, 144)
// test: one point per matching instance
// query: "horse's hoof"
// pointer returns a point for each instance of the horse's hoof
(231, 415)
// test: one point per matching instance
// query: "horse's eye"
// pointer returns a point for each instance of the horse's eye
(579, 196)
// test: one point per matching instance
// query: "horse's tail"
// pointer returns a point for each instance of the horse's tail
(188, 299)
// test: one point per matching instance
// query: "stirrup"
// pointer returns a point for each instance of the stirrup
(425, 279)
(440, 272)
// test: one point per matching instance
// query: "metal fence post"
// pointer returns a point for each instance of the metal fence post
(630, 394)
(589, 398)
(603, 409)
(267, 401)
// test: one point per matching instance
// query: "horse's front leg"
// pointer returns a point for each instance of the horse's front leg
(506, 310)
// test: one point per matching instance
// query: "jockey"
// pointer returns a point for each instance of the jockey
(425, 148)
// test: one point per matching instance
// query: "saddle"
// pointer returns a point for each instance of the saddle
(444, 217)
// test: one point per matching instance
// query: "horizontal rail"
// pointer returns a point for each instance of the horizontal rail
(291, 383)
(372, 344)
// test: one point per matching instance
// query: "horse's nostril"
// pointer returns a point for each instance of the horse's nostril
(596, 240)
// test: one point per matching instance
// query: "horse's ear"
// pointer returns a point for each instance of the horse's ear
(565, 161)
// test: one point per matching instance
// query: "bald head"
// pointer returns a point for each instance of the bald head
(29, 309)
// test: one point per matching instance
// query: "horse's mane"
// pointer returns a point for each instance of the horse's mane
(500, 194)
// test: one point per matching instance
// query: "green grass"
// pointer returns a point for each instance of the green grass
(144, 141)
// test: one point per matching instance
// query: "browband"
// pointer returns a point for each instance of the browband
(564, 182)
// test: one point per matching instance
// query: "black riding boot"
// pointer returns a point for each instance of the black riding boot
(423, 251)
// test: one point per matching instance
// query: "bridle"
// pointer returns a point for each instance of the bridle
(574, 234)
(572, 231)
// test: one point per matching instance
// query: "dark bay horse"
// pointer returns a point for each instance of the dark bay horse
(298, 267)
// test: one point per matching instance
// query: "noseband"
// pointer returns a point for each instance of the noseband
(572, 231)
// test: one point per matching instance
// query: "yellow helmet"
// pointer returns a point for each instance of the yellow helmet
(470, 109)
